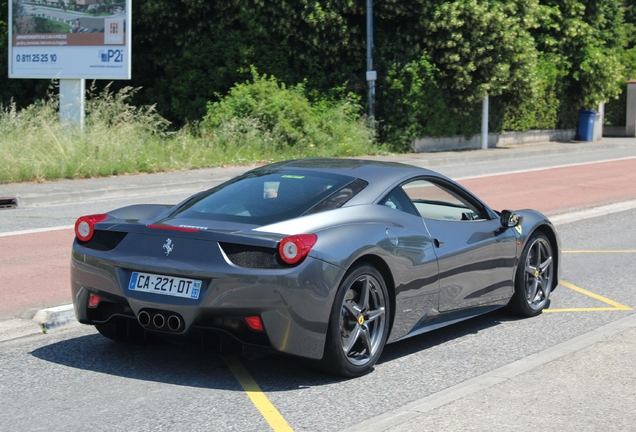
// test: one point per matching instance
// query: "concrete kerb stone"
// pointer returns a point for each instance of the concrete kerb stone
(56, 318)
(108, 194)
(42, 321)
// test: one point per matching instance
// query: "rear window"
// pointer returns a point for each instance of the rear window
(270, 196)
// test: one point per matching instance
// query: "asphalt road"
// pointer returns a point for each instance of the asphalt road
(77, 380)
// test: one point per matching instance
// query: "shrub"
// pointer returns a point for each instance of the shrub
(284, 119)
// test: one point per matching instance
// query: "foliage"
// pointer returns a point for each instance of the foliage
(286, 116)
(481, 47)
(586, 39)
(43, 25)
(419, 106)
(291, 39)
(615, 112)
(119, 138)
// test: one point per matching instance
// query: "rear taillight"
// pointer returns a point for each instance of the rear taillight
(294, 249)
(85, 226)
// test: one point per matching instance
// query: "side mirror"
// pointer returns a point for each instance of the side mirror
(510, 219)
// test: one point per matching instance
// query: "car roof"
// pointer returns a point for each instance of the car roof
(374, 172)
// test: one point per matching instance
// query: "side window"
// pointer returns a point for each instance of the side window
(434, 201)
(398, 200)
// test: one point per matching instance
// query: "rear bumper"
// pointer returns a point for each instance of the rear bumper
(294, 304)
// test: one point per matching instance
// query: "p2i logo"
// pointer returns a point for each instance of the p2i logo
(112, 55)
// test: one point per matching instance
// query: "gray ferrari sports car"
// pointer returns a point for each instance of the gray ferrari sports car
(326, 259)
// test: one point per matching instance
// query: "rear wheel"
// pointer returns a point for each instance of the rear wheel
(359, 323)
(126, 331)
(534, 278)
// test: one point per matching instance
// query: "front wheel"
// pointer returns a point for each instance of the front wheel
(359, 323)
(534, 277)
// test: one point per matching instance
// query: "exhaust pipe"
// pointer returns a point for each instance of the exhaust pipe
(174, 323)
(144, 318)
(159, 321)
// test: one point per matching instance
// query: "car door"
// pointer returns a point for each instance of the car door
(475, 253)
(415, 266)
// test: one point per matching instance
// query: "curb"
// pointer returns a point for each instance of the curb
(105, 194)
(44, 321)
(56, 318)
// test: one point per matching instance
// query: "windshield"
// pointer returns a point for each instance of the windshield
(270, 196)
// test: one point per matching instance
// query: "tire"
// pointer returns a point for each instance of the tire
(359, 323)
(534, 277)
(126, 331)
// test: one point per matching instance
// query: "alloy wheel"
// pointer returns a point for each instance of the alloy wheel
(362, 319)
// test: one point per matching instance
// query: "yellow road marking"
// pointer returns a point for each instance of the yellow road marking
(615, 305)
(598, 251)
(260, 401)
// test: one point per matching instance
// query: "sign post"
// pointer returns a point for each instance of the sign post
(72, 100)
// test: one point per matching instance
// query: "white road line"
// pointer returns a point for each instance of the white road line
(36, 230)
(543, 168)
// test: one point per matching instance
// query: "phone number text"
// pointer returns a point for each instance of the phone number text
(36, 58)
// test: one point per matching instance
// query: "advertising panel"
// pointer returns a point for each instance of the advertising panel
(69, 39)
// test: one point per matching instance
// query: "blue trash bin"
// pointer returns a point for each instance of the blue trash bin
(586, 125)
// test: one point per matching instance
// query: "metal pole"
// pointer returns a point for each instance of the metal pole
(371, 74)
(484, 124)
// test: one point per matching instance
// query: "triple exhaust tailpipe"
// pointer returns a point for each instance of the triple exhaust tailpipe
(159, 321)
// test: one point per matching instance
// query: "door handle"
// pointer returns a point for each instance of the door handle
(438, 244)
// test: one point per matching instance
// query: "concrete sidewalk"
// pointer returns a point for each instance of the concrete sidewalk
(584, 384)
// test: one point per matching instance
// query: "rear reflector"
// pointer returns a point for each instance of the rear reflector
(93, 300)
(254, 322)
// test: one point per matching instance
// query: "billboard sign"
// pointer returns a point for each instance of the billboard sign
(70, 39)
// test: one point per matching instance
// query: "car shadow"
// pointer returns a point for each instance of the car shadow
(445, 334)
(205, 367)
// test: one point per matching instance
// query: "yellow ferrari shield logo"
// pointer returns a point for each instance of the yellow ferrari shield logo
(360, 320)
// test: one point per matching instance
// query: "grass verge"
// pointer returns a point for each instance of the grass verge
(119, 138)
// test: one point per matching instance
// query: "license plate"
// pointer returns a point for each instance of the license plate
(165, 285)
